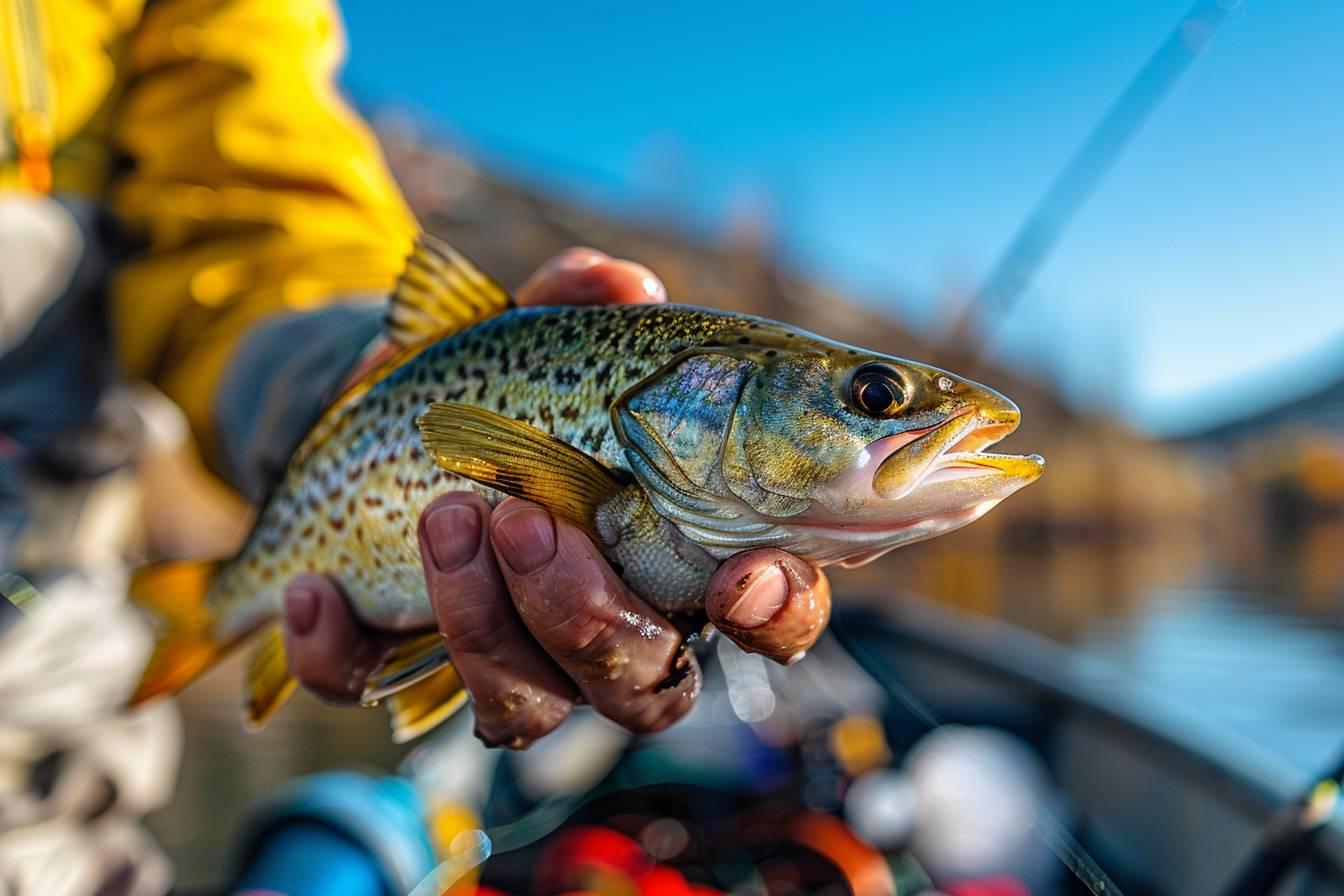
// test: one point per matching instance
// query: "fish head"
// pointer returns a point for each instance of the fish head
(831, 452)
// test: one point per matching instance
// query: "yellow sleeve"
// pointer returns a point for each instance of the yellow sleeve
(257, 189)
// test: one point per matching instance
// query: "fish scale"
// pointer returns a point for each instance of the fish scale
(351, 510)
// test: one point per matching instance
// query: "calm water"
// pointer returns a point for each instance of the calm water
(1250, 639)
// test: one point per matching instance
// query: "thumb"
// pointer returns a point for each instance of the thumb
(769, 602)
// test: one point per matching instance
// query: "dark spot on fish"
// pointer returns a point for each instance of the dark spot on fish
(569, 413)
(743, 340)
(568, 333)
(770, 353)
(502, 403)
(373, 501)
(536, 375)
(337, 523)
(308, 532)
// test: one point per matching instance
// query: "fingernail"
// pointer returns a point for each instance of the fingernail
(454, 533)
(301, 606)
(574, 260)
(761, 600)
(654, 289)
(525, 539)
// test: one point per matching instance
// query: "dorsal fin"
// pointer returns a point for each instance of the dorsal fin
(440, 292)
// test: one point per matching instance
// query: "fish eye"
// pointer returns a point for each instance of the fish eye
(877, 391)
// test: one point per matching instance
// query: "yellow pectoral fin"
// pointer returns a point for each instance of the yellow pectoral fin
(404, 665)
(419, 708)
(519, 460)
(440, 292)
(269, 683)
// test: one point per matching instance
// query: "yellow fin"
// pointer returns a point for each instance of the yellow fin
(186, 646)
(421, 707)
(269, 683)
(405, 664)
(518, 459)
(440, 292)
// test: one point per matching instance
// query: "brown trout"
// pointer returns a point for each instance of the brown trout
(675, 436)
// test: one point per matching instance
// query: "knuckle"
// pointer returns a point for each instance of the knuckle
(575, 621)
(477, 630)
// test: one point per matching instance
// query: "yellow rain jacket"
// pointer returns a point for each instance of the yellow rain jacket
(213, 130)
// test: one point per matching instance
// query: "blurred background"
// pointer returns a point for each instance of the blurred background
(1127, 217)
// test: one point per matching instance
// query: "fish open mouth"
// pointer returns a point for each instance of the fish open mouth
(955, 450)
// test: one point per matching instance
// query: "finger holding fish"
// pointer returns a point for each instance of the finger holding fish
(769, 602)
(625, 657)
(518, 693)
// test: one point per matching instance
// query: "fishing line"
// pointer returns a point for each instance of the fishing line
(1052, 833)
(1044, 226)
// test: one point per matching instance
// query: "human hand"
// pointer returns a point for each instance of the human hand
(533, 616)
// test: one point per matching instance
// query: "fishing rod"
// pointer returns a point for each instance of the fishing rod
(1288, 836)
(1045, 225)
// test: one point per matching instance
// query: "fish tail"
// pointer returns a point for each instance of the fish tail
(186, 645)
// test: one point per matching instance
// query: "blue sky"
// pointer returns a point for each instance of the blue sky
(900, 144)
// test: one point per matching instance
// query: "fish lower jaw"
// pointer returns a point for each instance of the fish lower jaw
(1017, 469)
(851, 544)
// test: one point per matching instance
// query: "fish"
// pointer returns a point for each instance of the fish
(675, 436)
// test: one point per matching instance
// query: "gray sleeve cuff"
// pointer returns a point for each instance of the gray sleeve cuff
(281, 376)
